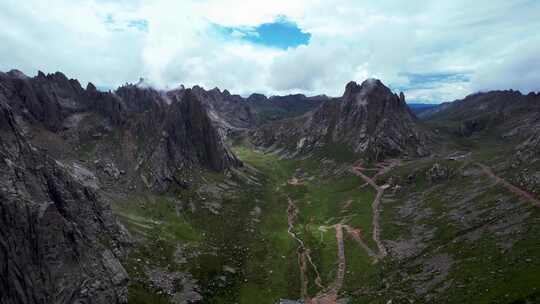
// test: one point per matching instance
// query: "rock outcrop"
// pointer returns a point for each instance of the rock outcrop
(184, 138)
(368, 118)
(64, 149)
(59, 242)
(154, 136)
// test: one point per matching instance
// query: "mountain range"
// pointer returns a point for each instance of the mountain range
(189, 195)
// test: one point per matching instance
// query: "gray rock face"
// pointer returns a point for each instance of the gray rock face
(369, 118)
(157, 135)
(50, 99)
(183, 138)
(55, 233)
(61, 148)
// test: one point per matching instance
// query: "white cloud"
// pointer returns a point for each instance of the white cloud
(493, 41)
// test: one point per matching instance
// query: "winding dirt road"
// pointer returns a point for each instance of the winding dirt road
(383, 168)
(499, 180)
(356, 235)
(329, 296)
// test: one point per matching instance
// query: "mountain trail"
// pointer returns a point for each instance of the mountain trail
(356, 235)
(383, 168)
(518, 191)
(330, 295)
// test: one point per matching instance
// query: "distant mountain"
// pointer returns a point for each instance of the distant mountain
(280, 107)
(418, 108)
(507, 113)
(505, 124)
(369, 119)
(234, 112)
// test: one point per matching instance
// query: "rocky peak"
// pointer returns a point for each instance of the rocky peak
(47, 99)
(142, 84)
(91, 87)
(377, 122)
(369, 118)
(256, 97)
(55, 101)
(210, 148)
(17, 74)
(139, 98)
(370, 90)
(351, 89)
(372, 83)
(182, 138)
(58, 76)
(367, 85)
(401, 97)
(41, 75)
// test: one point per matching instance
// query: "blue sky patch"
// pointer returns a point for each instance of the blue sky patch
(426, 80)
(281, 34)
(430, 82)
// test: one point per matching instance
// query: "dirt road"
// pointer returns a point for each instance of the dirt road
(329, 296)
(383, 168)
(302, 252)
(356, 235)
(520, 192)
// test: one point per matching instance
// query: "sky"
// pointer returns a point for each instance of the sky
(433, 51)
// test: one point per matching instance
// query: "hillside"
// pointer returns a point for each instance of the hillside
(496, 112)
(501, 124)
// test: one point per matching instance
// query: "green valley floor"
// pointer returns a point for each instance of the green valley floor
(336, 230)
